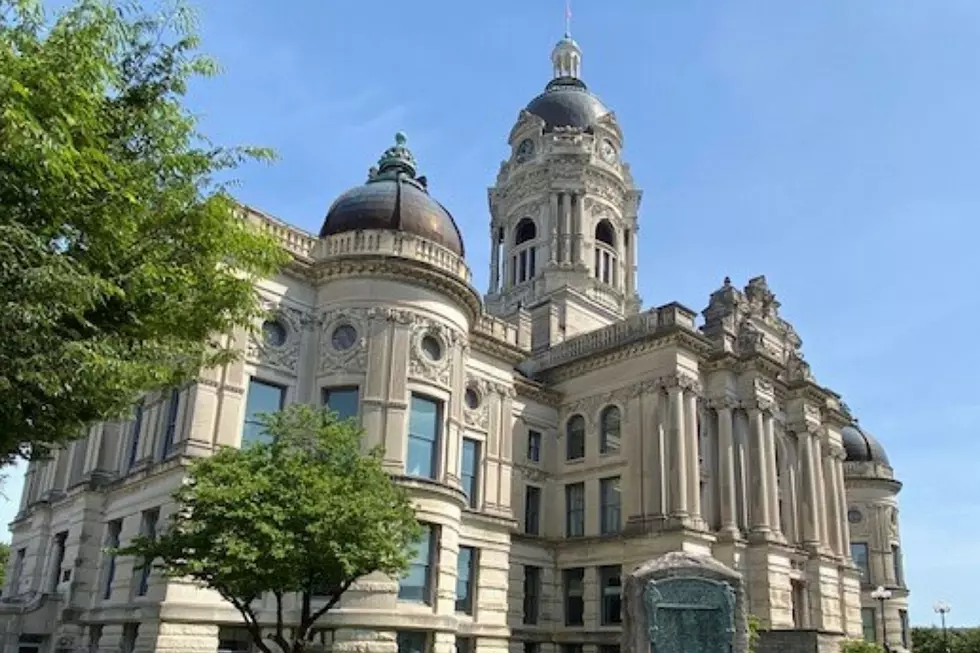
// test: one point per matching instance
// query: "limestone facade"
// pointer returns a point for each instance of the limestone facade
(553, 436)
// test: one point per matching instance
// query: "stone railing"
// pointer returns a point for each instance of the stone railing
(392, 243)
(496, 328)
(293, 239)
(604, 294)
(637, 327)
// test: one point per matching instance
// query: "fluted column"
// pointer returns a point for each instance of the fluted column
(553, 253)
(654, 454)
(565, 206)
(833, 500)
(677, 446)
(726, 467)
(842, 501)
(494, 259)
(824, 531)
(579, 220)
(692, 449)
(628, 282)
(759, 482)
(775, 517)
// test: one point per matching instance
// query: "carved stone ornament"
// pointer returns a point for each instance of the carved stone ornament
(589, 407)
(343, 340)
(477, 416)
(282, 354)
(432, 351)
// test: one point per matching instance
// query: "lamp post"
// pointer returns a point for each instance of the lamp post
(942, 609)
(881, 594)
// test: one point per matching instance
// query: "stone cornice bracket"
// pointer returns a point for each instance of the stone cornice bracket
(680, 380)
(757, 403)
(836, 451)
(723, 403)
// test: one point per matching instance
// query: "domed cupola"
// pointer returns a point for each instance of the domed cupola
(394, 198)
(566, 101)
(861, 447)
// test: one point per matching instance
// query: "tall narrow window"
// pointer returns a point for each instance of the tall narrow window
(59, 557)
(412, 641)
(424, 431)
(345, 401)
(610, 514)
(16, 573)
(859, 553)
(149, 530)
(170, 426)
(532, 510)
(523, 264)
(113, 531)
(903, 623)
(470, 471)
(612, 589)
(263, 397)
(416, 586)
(606, 259)
(575, 438)
(465, 579)
(609, 429)
(134, 436)
(574, 586)
(897, 565)
(534, 446)
(575, 510)
(869, 625)
(532, 594)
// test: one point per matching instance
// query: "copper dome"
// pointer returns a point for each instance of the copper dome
(395, 199)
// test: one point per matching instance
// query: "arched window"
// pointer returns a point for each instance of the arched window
(522, 259)
(605, 253)
(575, 438)
(609, 422)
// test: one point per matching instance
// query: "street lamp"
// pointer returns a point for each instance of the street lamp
(880, 594)
(942, 609)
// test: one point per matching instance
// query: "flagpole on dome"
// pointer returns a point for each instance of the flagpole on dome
(568, 19)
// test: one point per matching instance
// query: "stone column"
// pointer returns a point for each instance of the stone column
(833, 507)
(494, 259)
(842, 500)
(676, 443)
(579, 220)
(566, 213)
(823, 532)
(692, 449)
(758, 474)
(726, 467)
(775, 517)
(554, 255)
(654, 454)
(807, 444)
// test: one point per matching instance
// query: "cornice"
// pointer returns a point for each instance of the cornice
(400, 269)
(497, 348)
(872, 482)
(537, 392)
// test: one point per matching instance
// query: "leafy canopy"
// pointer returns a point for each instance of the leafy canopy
(121, 253)
(957, 640)
(860, 646)
(307, 513)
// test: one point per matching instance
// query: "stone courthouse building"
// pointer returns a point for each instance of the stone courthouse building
(553, 434)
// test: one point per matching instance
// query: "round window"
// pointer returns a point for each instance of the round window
(472, 398)
(854, 516)
(344, 337)
(274, 333)
(432, 347)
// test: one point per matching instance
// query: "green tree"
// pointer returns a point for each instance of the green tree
(305, 514)
(860, 646)
(958, 640)
(121, 251)
(4, 558)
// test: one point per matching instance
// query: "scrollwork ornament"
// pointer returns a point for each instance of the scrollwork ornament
(421, 364)
(284, 355)
(478, 417)
(335, 359)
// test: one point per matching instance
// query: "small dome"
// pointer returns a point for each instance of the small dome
(862, 447)
(395, 199)
(567, 102)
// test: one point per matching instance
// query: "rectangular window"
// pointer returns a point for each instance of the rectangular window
(18, 570)
(170, 426)
(345, 401)
(113, 531)
(470, 471)
(412, 641)
(464, 645)
(148, 529)
(609, 498)
(532, 594)
(869, 625)
(131, 633)
(416, 586)
(859, 553)
(134, 436)
(263, 397)
(424, 429)
(574, 585)
(465, 579)
(575, 510)
(612, 591)
(532, 647)
(903, 622)
(534, 446)
(897, 565)
(59, 558)
(532, 510)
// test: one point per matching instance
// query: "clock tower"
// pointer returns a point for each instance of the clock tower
(564, 213)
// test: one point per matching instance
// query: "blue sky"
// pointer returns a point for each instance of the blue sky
(833, 146)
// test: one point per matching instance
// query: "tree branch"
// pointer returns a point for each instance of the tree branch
(279, 638)
(251, 622)
(334, 598)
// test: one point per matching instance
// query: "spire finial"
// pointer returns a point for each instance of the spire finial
(568, 19)
(396, 160)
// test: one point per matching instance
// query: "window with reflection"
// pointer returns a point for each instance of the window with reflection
(532, 510)
(575, 438)
(170, 425)
(859, 553)
(610, 513)
(465, 579)
(574, 589)
(897, 565)
(424, 434)
(612, 589)
(343, 400)
(575, 510)
(534, 446)
(869, 626)
(609, 422)
(416, 585)
(262, 397)
(532, 594)
(470, 471)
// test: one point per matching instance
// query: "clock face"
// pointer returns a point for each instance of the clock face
(607, 151)
(525, 150)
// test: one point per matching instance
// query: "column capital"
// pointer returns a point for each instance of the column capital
(723, 403)
(760, 404)
(682, 381)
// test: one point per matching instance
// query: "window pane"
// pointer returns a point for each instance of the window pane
(423, 434)
(532, 594)
(534, 446)
(611, 587)
(532, 510)
(470, 470)
(575, 510)
(464, 579)
(262, 398)
(859, 553)
(575, 432)
(410, 641)
(609, 516)
(343, 401)
(414, 586)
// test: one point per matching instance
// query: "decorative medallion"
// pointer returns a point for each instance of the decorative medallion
(430, 348)
(342, 349)
(854, 516)
(274, 333)
(525, 150)
(276, 343)
(607, 151)
(344, 337)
